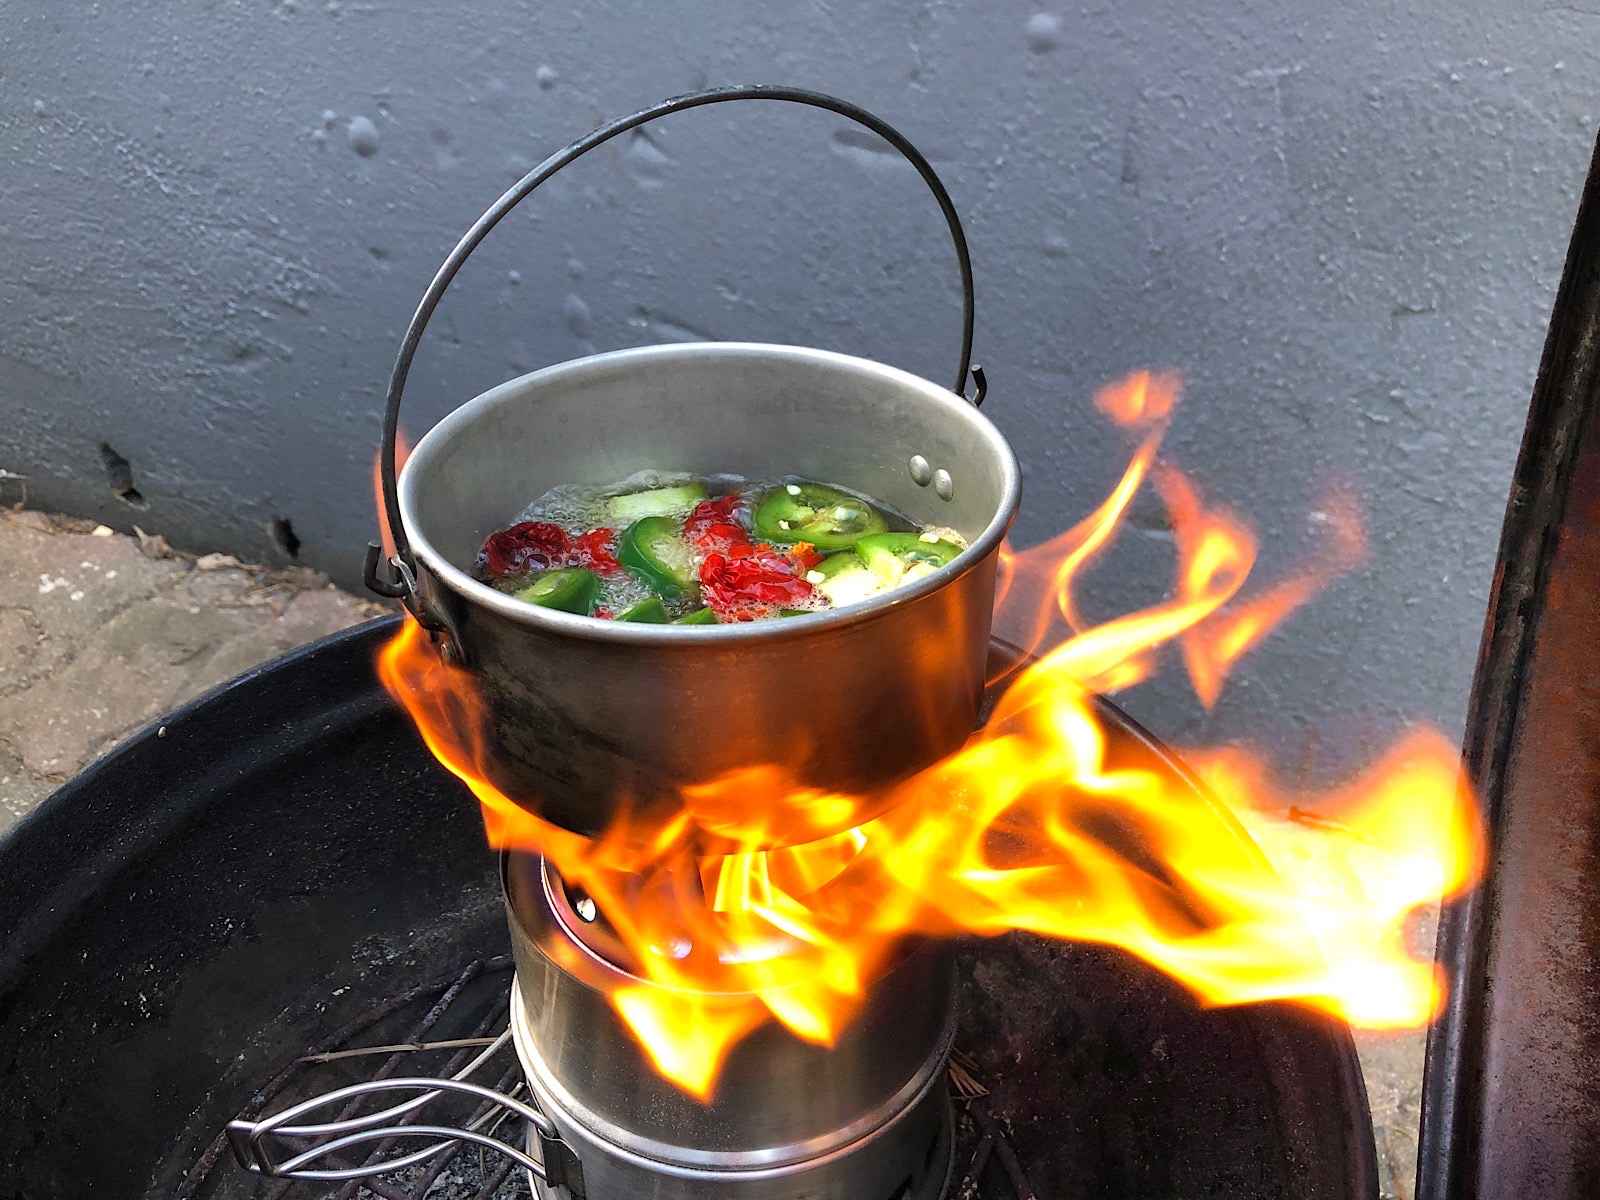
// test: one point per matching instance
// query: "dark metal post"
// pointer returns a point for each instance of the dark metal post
(1511, 1094)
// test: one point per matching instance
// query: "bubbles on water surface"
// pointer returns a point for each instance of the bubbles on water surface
(579, 508)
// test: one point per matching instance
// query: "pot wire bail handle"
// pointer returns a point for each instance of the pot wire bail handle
(399, 581)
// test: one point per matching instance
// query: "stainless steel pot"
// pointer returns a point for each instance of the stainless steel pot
(590, 715)
(591, 718)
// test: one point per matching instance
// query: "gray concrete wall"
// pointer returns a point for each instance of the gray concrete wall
(1344, 222)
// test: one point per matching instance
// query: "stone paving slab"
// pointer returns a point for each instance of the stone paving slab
(101, 633)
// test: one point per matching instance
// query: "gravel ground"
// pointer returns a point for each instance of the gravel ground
(101, 633)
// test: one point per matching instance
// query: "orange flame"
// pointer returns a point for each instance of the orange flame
(402, 451)
(1214, 544)
(1042, 822)
(1143, 399)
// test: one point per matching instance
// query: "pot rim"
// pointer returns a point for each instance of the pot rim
(626, 632)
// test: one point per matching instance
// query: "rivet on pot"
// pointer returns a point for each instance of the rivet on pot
(943, 484)
(585, 908)
(921, 471)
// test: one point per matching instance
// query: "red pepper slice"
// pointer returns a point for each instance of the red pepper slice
(713, 526)
(594, 551)
(529, 546)
(539, 546)
(752, 584)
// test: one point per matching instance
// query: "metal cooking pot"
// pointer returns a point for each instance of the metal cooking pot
(593, 718)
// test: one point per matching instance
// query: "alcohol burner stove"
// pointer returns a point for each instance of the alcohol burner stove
(866, 1118)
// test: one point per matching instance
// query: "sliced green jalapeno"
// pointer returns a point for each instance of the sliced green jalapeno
(898, 558)
(844, 579)
(567, 589)
(810, 512)
(646, 612)
(653, 551)
(658, 502)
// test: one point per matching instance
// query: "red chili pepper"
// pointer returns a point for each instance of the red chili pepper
(712, 526)
(604, 613)
(593, 550)
(755, 583)
(528, 546)
(539, 545)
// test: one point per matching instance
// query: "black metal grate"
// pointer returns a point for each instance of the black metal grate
(462, 1014)
(459, 1015)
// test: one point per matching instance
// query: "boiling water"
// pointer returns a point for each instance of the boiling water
(578, 508)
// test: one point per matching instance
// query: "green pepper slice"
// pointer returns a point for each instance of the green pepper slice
(812, 512)
(700, 616)
(653, 551)
(898, 558)
(659, 502)
(567, 589)
(844, 579)
(646, 612)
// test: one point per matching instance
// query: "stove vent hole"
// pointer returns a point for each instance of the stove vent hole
(283, 537)
(119, 475)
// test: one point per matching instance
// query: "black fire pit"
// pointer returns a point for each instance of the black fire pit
(254, 878)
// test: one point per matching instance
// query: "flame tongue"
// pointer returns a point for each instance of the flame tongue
(1045, 821)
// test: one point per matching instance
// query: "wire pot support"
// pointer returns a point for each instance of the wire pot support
(280, 1146)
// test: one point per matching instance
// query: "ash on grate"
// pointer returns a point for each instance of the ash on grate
(467, 1178)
